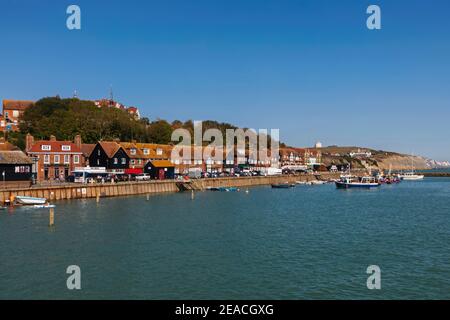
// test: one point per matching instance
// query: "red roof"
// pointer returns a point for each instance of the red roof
(55, 146)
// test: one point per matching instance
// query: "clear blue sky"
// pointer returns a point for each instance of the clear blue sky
(310, 68)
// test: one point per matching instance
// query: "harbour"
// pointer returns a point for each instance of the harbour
(308, 242)
(83, 191)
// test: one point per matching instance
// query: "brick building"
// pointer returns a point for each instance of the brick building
(53, 159)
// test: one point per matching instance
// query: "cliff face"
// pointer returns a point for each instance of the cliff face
(402, 162)
(378, 159)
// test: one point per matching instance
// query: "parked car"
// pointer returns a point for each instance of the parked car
(143, 177)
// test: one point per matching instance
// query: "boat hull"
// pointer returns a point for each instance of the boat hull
(282, 186)
(345, 185)
(413, 178)
(30, 200)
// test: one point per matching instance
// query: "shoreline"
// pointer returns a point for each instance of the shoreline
(83, 191)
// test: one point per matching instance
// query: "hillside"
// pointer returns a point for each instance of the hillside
(378, 159)
(65, 118)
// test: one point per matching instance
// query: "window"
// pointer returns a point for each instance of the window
(159, 151)
(139, 161)
(98, 152)
(46, 147)
(116, 161)
(15, 113)
(76, 159)
(132, 161)
(133, 151)
(98, 162)
(66, 158)
(146, 151)
(56, 158)
(6, 114)
(46, 159)
(65, 148)
(124, 161)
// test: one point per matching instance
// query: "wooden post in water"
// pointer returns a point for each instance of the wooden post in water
(52, 217)
(148, 196)
(192, 194)
(97, 199)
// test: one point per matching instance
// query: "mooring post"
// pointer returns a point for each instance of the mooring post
(192, 194)
(97, 199)
(52, 217)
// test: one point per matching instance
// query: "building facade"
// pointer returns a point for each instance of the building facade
(53, 159)
(12, 111)
(110, 155)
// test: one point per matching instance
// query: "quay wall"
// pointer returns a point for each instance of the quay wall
(81, 191)
(436, 174)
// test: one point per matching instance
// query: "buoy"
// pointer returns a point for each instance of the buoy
(247, 191)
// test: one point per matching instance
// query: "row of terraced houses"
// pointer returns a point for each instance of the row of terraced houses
(53, 159)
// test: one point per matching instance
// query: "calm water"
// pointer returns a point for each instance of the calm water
(311, 242)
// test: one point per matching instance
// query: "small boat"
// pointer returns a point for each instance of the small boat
(43, 206)
(226, 189)
(347, 182)
(30, 200)
(317, 182)
(283, 185)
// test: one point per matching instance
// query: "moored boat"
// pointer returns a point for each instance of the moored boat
(347, 182)
(411, 176)
(283, 185)
(30, 200)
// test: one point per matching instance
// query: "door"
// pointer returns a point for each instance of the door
(161, 174)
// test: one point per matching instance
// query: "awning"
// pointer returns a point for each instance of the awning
(134, 171)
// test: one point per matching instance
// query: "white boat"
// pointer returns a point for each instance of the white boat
(30, 200)
(411, 175)
(44, 206)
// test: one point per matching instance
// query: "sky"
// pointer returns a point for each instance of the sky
(309, 68)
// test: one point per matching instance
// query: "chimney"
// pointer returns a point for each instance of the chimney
(77, 141)
(29, 142)
(52, 138)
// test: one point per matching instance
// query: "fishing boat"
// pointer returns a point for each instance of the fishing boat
(347, 182)
(283, 185)
(30, 200)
